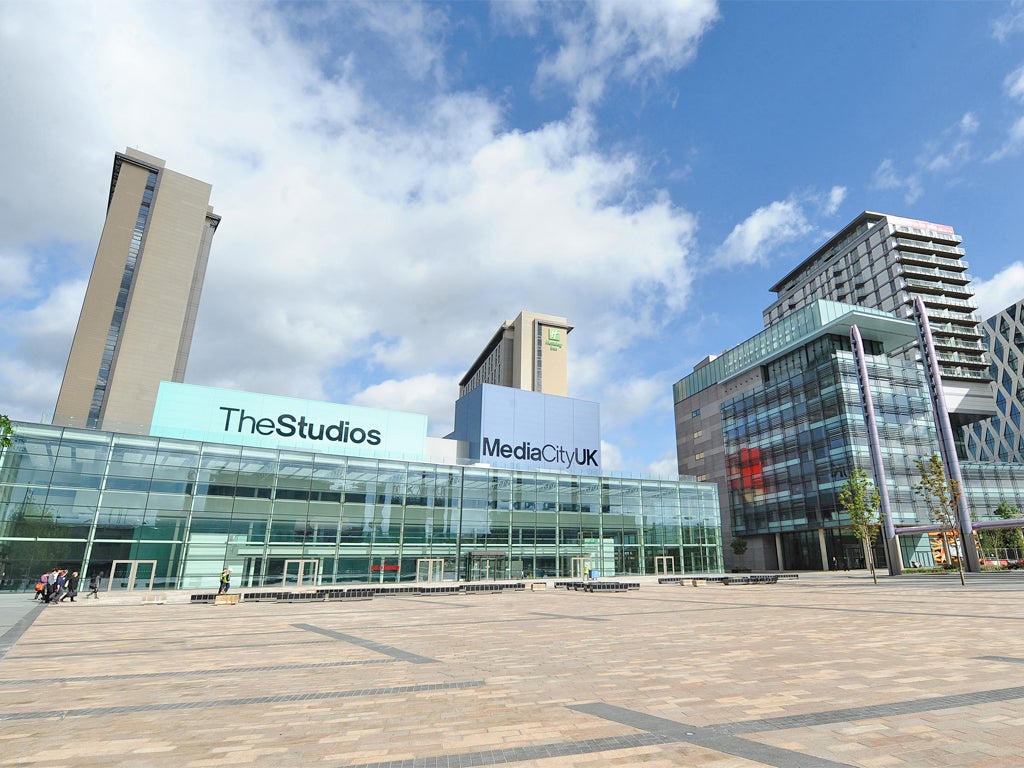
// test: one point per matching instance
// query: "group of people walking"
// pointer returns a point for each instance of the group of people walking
(58, 585)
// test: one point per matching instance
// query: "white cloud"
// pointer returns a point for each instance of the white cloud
(953, 147)
(1014, 143)
(607, 39)
(752, 240)
(428, 393)
(1014, 84)
(1011, 22)
(999, 292)
(836, 196)
(15, 266)
(357, 245)
(886, 177)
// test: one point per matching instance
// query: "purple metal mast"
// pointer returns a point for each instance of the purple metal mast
(892, 543)
(947, 445)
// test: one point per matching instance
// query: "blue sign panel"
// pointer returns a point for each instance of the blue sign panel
(270, 421)
(515, 428)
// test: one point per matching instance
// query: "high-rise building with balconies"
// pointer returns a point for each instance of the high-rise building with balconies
(884, 262)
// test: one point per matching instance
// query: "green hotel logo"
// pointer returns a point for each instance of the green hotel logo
(554, 340)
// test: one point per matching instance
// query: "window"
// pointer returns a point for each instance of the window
(699, 456)
(698, 434)
(695, 414)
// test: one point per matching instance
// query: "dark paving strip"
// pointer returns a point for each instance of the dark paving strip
(567, 616)
(1008, 659)
(521, 754)
(172, 706)
(194, 673)
(851, 714)
(708, 738)
(165, 647)
(12, 635)
(387, 650)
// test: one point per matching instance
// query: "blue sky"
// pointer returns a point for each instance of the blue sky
(396, 179)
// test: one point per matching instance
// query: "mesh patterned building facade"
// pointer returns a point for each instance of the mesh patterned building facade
(1000, 438)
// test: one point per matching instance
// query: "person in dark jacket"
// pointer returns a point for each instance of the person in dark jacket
(72, 587)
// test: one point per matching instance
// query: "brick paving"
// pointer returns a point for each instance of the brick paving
(821, 672)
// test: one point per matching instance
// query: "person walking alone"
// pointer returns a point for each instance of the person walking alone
(94, 585)
(225, 581)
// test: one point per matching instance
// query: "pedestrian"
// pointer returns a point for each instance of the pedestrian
(835, 563)
(225, 581)
(51, 586)
(94, 585)
(72, 587)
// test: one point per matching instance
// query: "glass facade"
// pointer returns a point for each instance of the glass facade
(95, 501)
(791, 444)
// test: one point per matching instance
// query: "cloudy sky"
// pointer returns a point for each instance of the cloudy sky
(396, 179)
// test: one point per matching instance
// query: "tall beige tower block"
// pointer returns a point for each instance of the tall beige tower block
(135, 328)
(526, 353)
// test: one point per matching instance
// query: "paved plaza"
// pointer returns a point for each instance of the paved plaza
(823, 671)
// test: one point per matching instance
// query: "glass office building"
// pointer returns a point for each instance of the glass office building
(172, 513)
(778, 422)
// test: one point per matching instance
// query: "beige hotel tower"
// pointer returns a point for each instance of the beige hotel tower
(526, 353)
(140, 306)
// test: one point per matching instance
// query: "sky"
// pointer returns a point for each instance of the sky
(397, 179)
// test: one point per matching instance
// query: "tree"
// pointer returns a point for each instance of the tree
(942, 494)
(860, 500)
(1007, 538)
(6, 432)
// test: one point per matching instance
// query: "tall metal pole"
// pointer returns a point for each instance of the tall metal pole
(947, 445)
(892, 542)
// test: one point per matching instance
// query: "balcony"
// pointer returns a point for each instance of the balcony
(975, 362)
(937, 287)
(950, 342)
(915, 238)
(959, 324)
(910, 257)
(934, 273)
(966, 307)
(963, 374)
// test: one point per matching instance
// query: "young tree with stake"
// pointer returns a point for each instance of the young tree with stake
(860, 501)
(942, 494)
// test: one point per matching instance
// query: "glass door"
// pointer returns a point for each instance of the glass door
(131, 575)
(301, 573)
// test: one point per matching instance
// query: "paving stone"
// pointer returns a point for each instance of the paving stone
(819, 672)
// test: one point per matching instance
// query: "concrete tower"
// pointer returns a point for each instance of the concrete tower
(135, 328)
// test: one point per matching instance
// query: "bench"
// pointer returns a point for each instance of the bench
(226, 600)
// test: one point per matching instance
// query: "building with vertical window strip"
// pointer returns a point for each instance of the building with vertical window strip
(1001, 438)
(528, 353)
(135, 327)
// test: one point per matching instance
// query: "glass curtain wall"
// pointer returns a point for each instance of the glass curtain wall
(92, 501)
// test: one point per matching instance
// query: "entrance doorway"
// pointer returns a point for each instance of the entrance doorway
(301, 573)
(131, 575)
(486, 566)
(664, 565)
(579, 567)
(430, 569)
